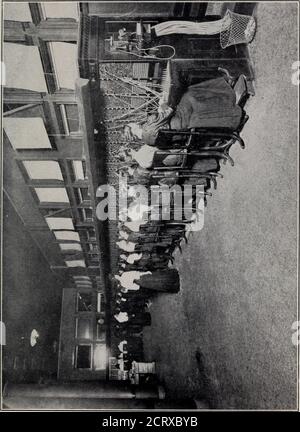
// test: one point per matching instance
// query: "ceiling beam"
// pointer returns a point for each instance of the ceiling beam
(23, 96)
(55, 30)
(56, 205)
(56, 183)
(77, 271)
(70, 151)
(20, 109)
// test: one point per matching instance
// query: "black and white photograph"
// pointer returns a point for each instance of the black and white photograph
(149, 207)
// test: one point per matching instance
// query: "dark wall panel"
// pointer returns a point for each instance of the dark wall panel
(31, 300)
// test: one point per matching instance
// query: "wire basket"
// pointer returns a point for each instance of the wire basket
(237, 29)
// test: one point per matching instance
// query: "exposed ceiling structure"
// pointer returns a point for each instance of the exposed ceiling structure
(45, 164)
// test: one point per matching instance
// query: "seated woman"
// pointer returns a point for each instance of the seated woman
(144, 157)
(211, 103)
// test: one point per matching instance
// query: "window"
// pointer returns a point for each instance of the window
(82, 281)
(70, 247)
(64, 58)
(82, 194)
(100, 332)
(52, 195)
(70, 118)
(17, 12)
(84, 301)
(100, 356)
(58, 223)
(83, 328)
(90, 329)
(75, 263)
(25, 58)
(83, 356)
(91, 235)
(99, 302)
(42, 170)
(67, 235)
(64, 10)
(87, 215)
(79, 169)
(26, 133)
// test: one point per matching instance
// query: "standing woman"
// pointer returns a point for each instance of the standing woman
(166, 280)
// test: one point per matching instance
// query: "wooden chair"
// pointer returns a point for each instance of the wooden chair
(211, 142)
(182, 171)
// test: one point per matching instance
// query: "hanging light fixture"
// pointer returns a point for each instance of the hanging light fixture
(34, 337)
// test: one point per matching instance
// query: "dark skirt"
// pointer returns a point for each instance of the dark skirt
(161, 280)
(208, 104)
(138, 294)
(143, 319)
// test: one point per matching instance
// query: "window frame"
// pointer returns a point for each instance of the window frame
(76, 356)
(85, 317)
